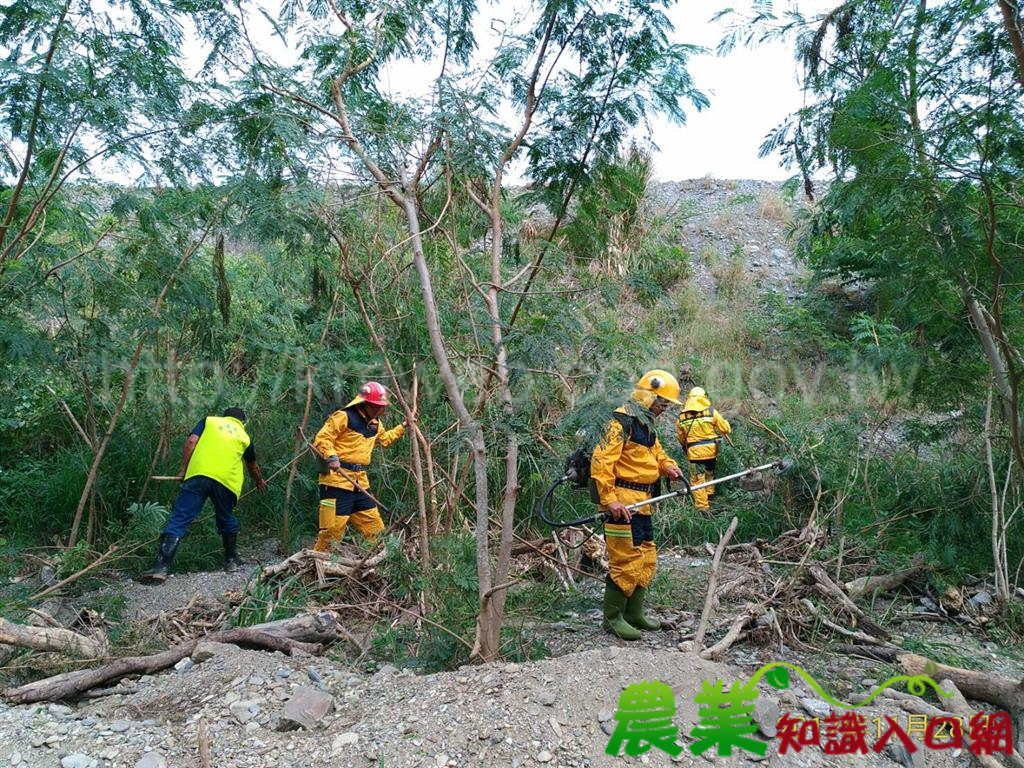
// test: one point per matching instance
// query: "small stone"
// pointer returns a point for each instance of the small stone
(305, 709)
(544, 757)
(252, 726)
(555, 727)
(283, 674)
(257, 681)
(386, 670)
(766, 715)
(60, 710)
(980, 599)
(441, 760)
(314, 675)
(78, 760)
(612, 652)
(608, 727)
(16, 758)
(548, 698)
(244, 710)
(119, 726)
(605, 715)
(815, 707)
(344, 740)
(151, 760)
(896, 752)
(206, 650)
(184, 665)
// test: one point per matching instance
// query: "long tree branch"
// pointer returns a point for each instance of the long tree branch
(37, 110)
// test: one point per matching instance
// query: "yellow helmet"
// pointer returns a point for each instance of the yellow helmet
(697, 392)
(662, 383)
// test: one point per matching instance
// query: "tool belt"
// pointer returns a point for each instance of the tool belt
(352, 467)
(648, 488)
(323, 467)
(713, 441)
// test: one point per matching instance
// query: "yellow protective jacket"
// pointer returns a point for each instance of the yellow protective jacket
(638, 459)
(699, 429)
(218, 454)
(350, 436)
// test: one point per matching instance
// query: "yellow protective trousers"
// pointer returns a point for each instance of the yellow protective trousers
(702, 472)
(334, 514)
(632, 556)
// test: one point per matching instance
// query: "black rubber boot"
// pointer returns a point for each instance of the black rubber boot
(158, 573)
(231, 562)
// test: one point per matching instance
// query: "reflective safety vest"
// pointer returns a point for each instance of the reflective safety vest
(218, 454)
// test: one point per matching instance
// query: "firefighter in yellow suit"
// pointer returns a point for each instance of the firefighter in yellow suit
(346, 443)
(626, 467)
(699, 429)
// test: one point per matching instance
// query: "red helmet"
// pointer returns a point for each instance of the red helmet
(373, 393)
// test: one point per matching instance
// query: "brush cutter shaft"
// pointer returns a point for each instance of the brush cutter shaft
(716, 481)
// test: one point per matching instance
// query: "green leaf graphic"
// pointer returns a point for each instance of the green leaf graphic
(930, 668)
(778, 677)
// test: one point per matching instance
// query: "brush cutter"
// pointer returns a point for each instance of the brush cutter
(577, 471)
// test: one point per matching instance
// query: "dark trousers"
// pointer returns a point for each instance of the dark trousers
(191, 498)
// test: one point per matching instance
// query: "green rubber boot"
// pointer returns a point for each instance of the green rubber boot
(635, 611)
(614, 608)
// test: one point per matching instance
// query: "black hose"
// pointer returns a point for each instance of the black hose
(542, 509)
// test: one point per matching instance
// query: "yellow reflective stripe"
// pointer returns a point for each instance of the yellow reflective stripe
(619, 534)
(328, 502)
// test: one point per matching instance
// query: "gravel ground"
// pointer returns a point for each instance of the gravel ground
(556, 712)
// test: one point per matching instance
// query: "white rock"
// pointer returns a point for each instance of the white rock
(245, 710)
(78, 760)
(344, 740)
(151, 760)
(16, 758)
(815, 707)
(60, 710)
(207, 650)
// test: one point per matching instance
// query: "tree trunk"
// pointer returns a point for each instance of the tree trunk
(283, 544)
(1012, 21)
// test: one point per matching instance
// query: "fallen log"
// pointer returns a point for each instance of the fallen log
(320, 627)
(853, 634)
(886, 654)
(52, 639)
(735, 633)
(826, 587)
(913, 704)
(959, 706)
(867, 585)
(980, 686)
(529, 547)
(71, 684)
(323, 563)
(705, 615)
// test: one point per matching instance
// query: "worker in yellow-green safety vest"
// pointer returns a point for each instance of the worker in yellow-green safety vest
(626, 467)
(211, 466)
(700, 428)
